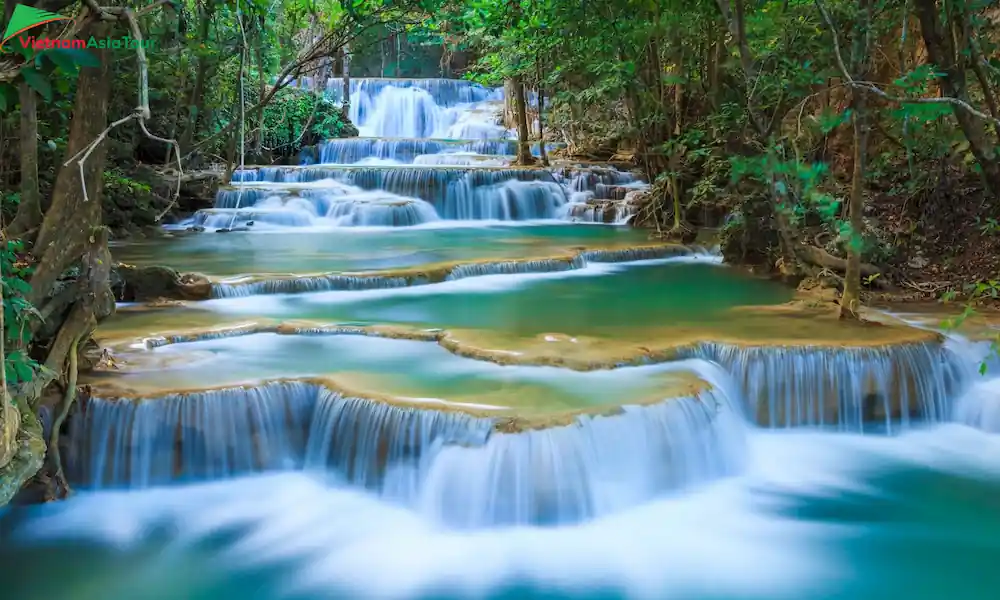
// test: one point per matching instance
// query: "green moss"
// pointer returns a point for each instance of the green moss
(28, 459)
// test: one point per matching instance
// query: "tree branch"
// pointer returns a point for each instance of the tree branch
(871, 87)
(142, 112)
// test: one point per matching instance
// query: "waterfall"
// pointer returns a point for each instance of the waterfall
(379, 196)
(347, 151)
(378, 445)
(423, 108)
(463, 468)
(980, 406)
(846, 388)
(588, 468)
(466, 466)
(198, 435)
(431, 150)
(314, 283)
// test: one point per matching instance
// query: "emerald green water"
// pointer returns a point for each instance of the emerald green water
(363, 249)
(601, 300)
(400, 368)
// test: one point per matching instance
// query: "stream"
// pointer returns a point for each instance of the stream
(424, 373)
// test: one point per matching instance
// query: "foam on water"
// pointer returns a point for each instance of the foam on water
(815, 516)
(453, 466)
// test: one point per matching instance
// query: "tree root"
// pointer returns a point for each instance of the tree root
(62, 486)
(821, 258)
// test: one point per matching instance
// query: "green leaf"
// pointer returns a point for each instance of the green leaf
(982, 368)
(57, 57)
(8, 97)
(37, 82)
(24, 372)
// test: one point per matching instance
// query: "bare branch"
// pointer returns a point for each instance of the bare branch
(870, 87)
(142, 111)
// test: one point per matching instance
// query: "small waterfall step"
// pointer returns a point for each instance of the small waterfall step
(408, 150)
(436, 273)
(555, 469)
(355, 195)
(904, 377)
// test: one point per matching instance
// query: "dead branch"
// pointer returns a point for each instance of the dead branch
(142, 112)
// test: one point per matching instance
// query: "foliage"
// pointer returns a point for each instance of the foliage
(17, 312)
(286, 119)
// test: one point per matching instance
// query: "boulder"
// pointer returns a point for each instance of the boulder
(142, 284)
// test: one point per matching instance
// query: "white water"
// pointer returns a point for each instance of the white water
(431, 151)
(814, 516)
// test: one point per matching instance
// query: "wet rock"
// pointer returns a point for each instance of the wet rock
(142, 284)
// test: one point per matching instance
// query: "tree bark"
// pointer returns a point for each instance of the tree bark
(541, 111)
(850, 300)
(196, 102)
(941, 50)
(71, 220)
(29, 211)
(524, 157)
(346, 107)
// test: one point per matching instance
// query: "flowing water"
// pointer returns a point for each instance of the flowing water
(420, 377)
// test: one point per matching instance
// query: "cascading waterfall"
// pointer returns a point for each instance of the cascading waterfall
(410, 177)
(979, 407)
(380, 446)
(381, 196)
(469, 470)
(200, 435)
(347, 151)
(592, 467)
(845, 388)
(453, 465)
(423, 108)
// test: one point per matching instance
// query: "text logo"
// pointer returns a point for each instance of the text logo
(28, 17)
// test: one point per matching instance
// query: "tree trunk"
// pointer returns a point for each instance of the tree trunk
(71, 220)
(524, 157)
(541, 110)
(941, 50)
(346, 107)
(196, 102)
(509, 105)
(259, 137)
(850, 300)
(29, 211)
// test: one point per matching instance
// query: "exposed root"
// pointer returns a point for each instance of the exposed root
(62, 486)
(928, 287)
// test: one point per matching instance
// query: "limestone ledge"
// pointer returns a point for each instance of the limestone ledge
(574, 257)
(790, 327)
(157, 284)
(505, 419)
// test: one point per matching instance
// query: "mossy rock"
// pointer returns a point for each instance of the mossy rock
(142, 284)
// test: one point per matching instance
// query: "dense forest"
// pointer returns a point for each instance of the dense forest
(847, 147)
